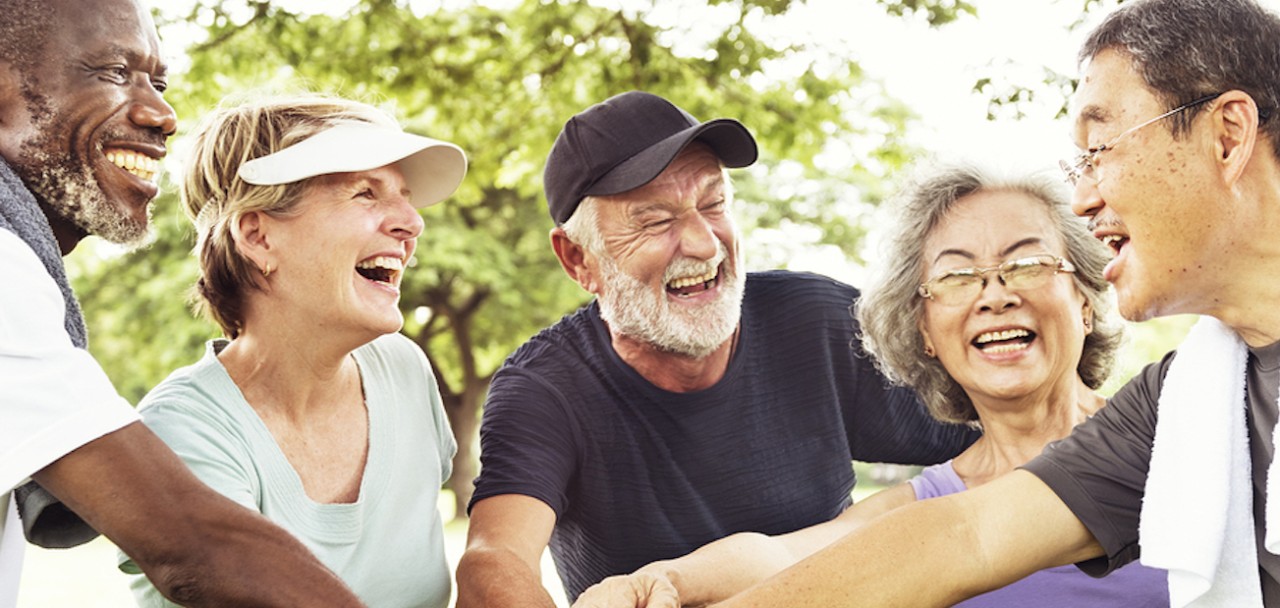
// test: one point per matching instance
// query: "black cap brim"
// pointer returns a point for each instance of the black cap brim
(730, 141)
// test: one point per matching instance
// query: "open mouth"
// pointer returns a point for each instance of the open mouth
(1115, 242)
(685, 287)
(137, 163)
(1006, 341)
(381, 269)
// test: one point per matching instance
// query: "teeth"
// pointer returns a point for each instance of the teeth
(138, 164)
(1111, 239)
(382, 261)
(1006, 348)
(997, 336)
(689, 281)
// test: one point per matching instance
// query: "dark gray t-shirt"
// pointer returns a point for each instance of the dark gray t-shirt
(1100, 470)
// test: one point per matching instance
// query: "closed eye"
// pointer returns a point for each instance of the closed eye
(117, 73)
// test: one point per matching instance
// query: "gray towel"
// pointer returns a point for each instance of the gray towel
(45, 520)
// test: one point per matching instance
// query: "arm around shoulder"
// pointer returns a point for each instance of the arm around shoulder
(198, 547)
(505, 541)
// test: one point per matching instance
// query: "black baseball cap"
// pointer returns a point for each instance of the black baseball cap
(624, 142)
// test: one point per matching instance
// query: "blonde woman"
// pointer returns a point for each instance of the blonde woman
(313, 410)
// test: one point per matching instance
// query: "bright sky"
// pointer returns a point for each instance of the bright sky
(933, 71)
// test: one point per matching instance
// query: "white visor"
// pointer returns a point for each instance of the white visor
(432, 168)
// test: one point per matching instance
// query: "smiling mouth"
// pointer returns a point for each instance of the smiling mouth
(1115, 242)
(1006, 341)
(685, 287)
(141, 165)
(381, 269)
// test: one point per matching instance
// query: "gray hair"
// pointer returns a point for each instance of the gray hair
(583, 227)
(890, 308)
(1187, 49)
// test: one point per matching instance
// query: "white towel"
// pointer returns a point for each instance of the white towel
(1197, 514)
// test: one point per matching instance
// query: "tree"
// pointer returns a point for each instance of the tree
(501, 82)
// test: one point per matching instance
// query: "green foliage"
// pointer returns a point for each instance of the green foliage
(1146, 343)
(935, 12)
(500, 82)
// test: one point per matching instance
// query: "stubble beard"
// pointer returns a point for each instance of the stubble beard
(66, 185)
(636, 310)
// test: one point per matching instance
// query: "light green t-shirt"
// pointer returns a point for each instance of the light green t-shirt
(388, 545)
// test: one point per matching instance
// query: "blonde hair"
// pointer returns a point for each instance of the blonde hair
(215, 198)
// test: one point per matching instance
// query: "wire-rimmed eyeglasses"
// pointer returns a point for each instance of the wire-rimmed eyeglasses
(1083, 163)
(962, 285)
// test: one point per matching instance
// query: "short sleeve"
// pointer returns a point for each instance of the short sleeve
(56, 397)
(1100, 470)
(445, 440)
(526, 442)
(211, 447)
(212, 453)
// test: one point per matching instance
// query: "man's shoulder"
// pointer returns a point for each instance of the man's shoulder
(790, 297)
(17, 256)
(777, 283)
(567, 341)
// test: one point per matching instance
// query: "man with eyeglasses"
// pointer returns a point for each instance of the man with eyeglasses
(1180, 177)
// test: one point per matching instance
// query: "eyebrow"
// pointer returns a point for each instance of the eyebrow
(1093, 113)
(1031, 240)
(710, 183)
(136, 58)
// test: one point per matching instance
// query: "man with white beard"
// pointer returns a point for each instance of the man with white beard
(691, 400)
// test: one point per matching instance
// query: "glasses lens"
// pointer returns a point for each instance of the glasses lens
(955, 287)
(1026, 273)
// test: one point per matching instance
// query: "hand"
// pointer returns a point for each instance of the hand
(639, 590)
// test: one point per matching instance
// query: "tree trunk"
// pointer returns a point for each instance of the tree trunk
(464, 415)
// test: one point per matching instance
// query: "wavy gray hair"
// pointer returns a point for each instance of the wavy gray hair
(889, 309)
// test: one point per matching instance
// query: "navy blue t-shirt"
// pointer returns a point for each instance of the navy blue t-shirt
(636, 474)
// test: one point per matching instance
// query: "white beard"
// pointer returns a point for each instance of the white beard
(635, 310)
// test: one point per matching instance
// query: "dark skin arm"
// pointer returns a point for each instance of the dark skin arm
(196, 546)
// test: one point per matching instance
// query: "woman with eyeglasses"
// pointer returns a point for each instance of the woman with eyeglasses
(990, 303)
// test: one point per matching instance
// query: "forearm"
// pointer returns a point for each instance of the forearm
(935, 552)
(198, 547)
(723, 568)
(245, 562)
(497, 578)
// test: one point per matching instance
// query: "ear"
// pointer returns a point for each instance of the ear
(575, 260)
(1236, 134)
(1086, 313)
(924, 335)
(250, 233)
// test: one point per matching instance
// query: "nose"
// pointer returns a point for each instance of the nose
(151, 111)
(697, 237)
(996, 297)
(403, 220)
(1086, 201)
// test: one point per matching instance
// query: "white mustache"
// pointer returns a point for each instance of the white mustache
(685, 267)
